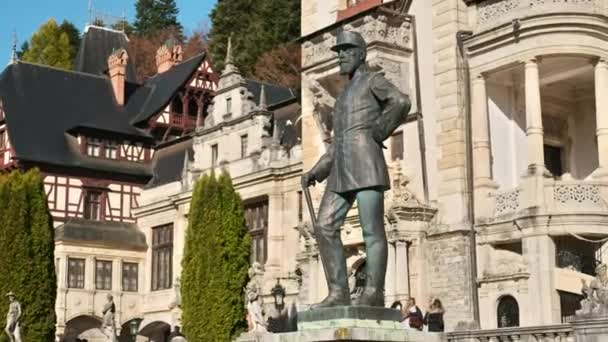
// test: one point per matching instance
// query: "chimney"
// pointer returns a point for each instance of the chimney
(117, 66)
(168, 55)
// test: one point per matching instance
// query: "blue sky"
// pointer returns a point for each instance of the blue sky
(25, 16)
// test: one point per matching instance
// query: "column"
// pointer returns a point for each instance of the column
(275, 234)
(389, 280)
(543, 300)
(401, 271)
(601, 115)
(534, 121)
(482, 167)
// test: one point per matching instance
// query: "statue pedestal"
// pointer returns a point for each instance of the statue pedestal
(590, 328)
(347, 323)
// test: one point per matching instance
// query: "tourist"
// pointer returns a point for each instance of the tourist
(413, 315)
(433, 318)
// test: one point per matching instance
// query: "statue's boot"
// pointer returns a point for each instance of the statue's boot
(370, 297)
(335, 298)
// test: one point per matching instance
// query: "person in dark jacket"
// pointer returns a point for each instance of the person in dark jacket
(433, 318)
(413, 315)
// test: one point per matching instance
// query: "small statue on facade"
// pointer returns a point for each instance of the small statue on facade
(12, 318)
(108, 323)
(596, 294)
(177, 301)
(255, 313)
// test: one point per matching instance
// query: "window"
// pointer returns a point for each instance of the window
(256, 215)
(228, 105)
(93, 147)
(162, 257)
(92, 205)
(397, 146)
(110, 150)
(75, 273)
(130, 272)
(103, 275)
(507, 312)
(244, 141)
(214, 155)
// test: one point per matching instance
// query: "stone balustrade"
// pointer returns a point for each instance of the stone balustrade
(495, 12)
(556, 333)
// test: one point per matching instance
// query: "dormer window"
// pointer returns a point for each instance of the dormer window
(228, 105)
(93, 147)
(111, 150)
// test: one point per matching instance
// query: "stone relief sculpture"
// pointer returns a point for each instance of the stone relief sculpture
(12, 318)
(596, 294)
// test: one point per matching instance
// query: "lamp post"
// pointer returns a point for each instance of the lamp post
(133, 329)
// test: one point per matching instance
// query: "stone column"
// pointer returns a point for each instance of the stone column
(601, 116)
(275, 234)
(542, 298)
(389, 280)
(482, 168)
(534, 120)
(401, 271)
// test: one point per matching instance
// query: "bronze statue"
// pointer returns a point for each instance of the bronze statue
(365, 114)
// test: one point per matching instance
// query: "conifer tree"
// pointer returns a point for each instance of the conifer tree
(73, 37)
(152, 16)
(215, 262)
(50, 45)
(26, 253)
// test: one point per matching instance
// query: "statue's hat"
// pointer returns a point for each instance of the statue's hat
(349, 38)
(10, 294)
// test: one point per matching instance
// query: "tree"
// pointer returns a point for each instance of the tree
(73, 37)
(281, 66)
(50, 45)
(152, 16)
(215, 262)
(98, 22)
(124, 26)
(26, 253)
(142, 51)
(255, 29)
(24, 47)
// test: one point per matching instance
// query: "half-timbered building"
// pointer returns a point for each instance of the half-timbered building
(92, 132)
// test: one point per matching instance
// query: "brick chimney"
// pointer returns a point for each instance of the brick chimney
(168, 55)
(117, 66)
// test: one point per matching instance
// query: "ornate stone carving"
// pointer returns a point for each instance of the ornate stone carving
(596, 294)
(577, 194)
(490, 11)
(378, 27)
(507, 202)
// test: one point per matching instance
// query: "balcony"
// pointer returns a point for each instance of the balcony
(491, 13)
(180, 120)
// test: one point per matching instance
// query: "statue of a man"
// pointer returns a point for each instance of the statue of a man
(12, 318)
(108, 318)
(255, 313)
(365, 114)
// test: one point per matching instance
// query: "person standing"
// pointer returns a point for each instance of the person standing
(434, 316)
(413, 315)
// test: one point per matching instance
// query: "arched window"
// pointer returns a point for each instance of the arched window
(507, 313)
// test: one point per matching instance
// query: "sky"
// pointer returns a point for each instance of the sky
(25, 16)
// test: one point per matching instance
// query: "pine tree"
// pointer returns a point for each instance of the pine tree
(215, 262)
(50, 46)
(26, 253)
(73, 37)
(155, 15)
(255, 27)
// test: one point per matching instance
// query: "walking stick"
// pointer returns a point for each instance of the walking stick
(311, 210)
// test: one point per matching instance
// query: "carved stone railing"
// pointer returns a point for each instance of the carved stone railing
(576, 196)
(555, 333)
(507, 202)
(496, 12)
(380, 26)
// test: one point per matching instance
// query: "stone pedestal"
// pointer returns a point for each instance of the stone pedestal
(590, 328)
(347, 323)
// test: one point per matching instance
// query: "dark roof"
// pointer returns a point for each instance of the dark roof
(96, 46)
(42, 104)
(274, 93)
(168, 161)
(161, 88)
(102, 233)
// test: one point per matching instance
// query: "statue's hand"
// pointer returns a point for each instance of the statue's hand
(308, 179)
